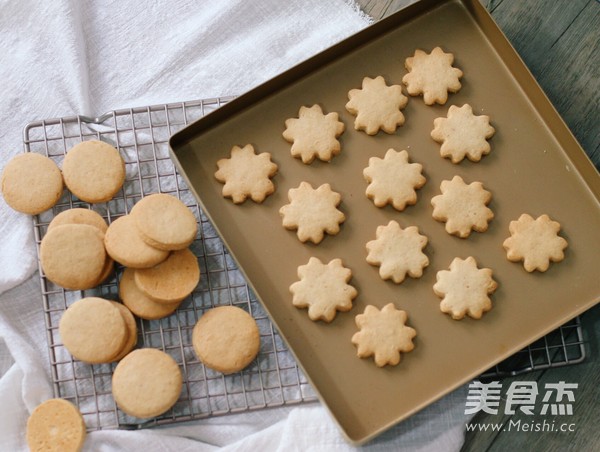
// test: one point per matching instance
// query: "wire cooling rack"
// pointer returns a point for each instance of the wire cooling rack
(273, 379)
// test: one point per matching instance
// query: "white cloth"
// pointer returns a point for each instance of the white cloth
(68, 57)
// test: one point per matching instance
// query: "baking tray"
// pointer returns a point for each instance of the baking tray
(536, 166)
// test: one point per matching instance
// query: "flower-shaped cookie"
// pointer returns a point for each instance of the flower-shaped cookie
(398, 252)
(462, 207)
(432, 75)
(535, 242)
(393, 180)
(463, 134)
(314, 134)
(465, 289)
(246, 174)
(377, 106)
(323, 289)
(383, 334)
(312, 212)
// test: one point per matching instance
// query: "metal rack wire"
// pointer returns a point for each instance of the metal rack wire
(273, 379)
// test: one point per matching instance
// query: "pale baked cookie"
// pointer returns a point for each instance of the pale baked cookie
(312, 212)
(383, 334)
(146, 383)
(432, 75)
(535, 242)
(314, 134)
(73, 256)
(107, 270)
(463, 134)
(393, 180)
(246, 174)
(463, 207)
(323, 289)
(94, 171)
(172, 280)
(226, 339)
(124, 244)
(140, 304)
(164, 222)
(93, 330)
(31, 183)
(465, 289)
(398, 252)
(131, 326)
(79, 216)
(377, 106)
(55, 426)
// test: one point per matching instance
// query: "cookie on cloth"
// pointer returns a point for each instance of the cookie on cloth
(246, 175)
(226, 339)
(465, 289)
(138, 303)
(312, 212)
(323, 289)
(383, 334)
(392, 180)
(79, 215)
(31, 183)
(463, 207)
(463, 134)
(94, 171)
(432, 75)
(314, 134)
(535, 242)
(55, 425)
(398, 252)
(146, 383)
(377, 106)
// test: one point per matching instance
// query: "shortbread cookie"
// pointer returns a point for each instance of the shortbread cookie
(535, 242)
(164, 222)
(55, 426)
(31, 183)
(312, 212)
(73, 256)
(462, 207)
(79, 216)
(377, 106)
(107, 270)
(323, 289)
(383, 334)
(131, 326)
(124, 244)
(463, 134)
(93, 330)
(140, 304)
(226, 339)
(314, 134)
(246, 174)
(172, 280)
(465, 289)
(146, 383)
(398, 252)
(94, 171)
(432, 75)
(393, 180)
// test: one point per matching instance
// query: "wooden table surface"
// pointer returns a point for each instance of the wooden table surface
(559, 40)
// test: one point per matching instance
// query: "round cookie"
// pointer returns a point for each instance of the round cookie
(226, 339)
(131, 330)
(124, 244)
(73, 256)
(93, 330)
(109, 266)
(31, 183)
(55, 426)
(146, 383)
(172, 280)
(140, 304)
(94, 171)
(79, 215)
(164, 222)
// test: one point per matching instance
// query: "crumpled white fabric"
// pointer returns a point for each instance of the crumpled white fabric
(68, 57)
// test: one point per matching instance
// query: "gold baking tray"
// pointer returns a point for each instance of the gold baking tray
(536, 167)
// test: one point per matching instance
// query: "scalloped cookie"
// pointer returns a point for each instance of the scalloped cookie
(55, 425)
